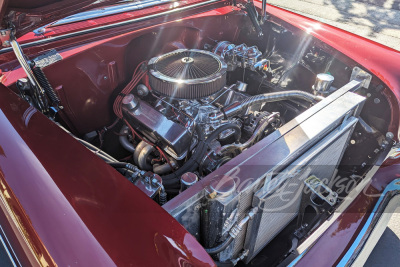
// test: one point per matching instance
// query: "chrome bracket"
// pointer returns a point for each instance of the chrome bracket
(240, 257)
(263, 17)
(317, 189)
(24, 62)
(321, 190)
(362, 76)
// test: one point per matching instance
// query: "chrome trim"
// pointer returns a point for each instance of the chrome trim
(102, 12)
(263, 11)
(38, 93)
(24, 63)
(111, 26)
(391, 192)
(296, 260)
(377, 232)
(14, 260)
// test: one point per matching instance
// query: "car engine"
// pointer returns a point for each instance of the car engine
(189, 131)
(188, 111)
(245, 133)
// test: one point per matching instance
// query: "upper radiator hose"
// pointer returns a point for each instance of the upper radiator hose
(240, 107)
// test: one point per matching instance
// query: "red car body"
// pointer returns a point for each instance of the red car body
(59, 202)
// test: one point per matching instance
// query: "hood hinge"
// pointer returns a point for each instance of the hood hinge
(38, 92)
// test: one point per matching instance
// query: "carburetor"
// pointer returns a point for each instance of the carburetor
(240, 56)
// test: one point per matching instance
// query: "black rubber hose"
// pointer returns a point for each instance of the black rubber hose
(216, 133)
(124, 165)
(194, 161)
(171, 181)
(41, 77)
(123, 139)
(220, 247)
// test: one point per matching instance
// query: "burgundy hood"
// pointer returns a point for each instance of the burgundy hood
(27, 15)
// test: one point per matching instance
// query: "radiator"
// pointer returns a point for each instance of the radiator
(279, 198)
(311, 144)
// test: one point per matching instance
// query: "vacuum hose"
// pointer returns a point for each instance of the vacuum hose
(123, 139)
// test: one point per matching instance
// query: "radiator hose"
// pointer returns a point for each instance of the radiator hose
(221, 247)
(240, 107)
(123, 139)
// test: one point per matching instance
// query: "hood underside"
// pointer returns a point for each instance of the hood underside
(27, 15)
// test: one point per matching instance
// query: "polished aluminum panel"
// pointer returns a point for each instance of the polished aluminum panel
(156, 127)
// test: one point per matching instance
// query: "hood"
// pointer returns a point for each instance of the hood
(27, 15)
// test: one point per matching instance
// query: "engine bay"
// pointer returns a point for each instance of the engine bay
(216, 125)
(184, 118)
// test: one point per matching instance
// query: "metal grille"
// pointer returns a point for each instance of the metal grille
(245, 199)
(281, 205)
(244, 204)
(277, 214)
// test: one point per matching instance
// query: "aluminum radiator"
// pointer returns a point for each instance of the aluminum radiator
(311, 144)
(279, 198)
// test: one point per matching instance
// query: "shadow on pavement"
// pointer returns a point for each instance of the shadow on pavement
(381, 14)
(386, 252)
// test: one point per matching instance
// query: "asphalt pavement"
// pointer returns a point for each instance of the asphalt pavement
(378, 20)
(387, 250)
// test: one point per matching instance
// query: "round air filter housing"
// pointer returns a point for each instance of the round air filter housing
(187, 74)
